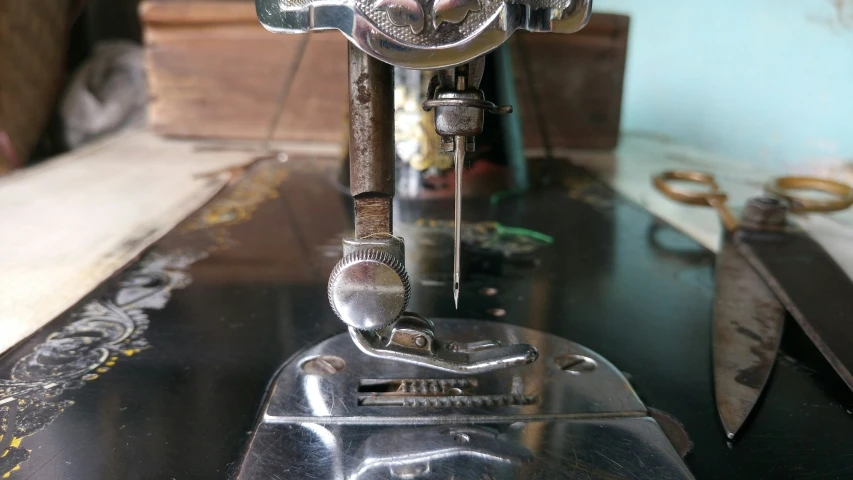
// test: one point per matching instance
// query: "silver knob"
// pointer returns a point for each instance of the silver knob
(369, 289)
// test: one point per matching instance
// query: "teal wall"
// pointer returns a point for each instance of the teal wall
(766, 82)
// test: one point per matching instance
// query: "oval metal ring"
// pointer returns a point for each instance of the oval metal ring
(710, 198)
(782, 186)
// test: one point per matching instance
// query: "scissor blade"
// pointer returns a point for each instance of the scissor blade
(748, 322)
(814, 289)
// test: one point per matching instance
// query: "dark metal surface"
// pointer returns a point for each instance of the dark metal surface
(748, 323)
(183, 408)
(813, 288)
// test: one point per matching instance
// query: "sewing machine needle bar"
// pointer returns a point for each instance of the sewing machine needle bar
(457, 219)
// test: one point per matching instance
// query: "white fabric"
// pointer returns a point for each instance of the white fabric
(68, 224)
(107, 92)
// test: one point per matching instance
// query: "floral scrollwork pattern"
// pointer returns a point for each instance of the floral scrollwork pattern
(101, 333)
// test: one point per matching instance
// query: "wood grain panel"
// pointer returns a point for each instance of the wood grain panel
(215, 72)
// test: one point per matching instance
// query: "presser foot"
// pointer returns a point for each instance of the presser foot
(369, 290)
(411, 339)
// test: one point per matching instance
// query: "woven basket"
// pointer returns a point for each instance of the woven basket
(33, 43)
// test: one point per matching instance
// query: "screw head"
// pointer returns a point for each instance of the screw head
(764, 211)
(323, 365)
(420, 341)
(575, 364)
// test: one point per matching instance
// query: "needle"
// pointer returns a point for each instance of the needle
(460, 144)
(457, 223)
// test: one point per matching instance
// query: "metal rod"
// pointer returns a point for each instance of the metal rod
(371, 152)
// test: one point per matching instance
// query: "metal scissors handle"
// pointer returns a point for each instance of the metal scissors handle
(782, 187)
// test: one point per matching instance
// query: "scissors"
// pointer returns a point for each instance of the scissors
(767, 266)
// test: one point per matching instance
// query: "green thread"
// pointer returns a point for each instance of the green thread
(523, 232)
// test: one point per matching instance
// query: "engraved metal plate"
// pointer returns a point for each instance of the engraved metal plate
(335, 413)
(425, 34)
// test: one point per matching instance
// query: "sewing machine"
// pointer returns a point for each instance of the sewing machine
(298, 326)
(404, 396)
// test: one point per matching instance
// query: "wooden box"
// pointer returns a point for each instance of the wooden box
(215, 72)
(569, 87)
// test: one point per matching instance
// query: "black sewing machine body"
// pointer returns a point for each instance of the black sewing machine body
(163, 372)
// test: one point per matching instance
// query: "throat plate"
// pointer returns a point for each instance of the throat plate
(334, 412)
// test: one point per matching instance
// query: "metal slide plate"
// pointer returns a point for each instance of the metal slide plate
(335, 413)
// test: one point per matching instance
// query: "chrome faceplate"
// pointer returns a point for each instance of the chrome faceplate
(425, 35)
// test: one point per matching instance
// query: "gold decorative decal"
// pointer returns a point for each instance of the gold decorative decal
(237, 204)
(104, 331)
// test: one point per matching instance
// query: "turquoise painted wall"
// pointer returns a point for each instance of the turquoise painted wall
(767, 82)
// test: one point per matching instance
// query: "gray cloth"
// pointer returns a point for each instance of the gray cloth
(106, 93)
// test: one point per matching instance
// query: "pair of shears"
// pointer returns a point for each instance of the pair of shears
(768, 266)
